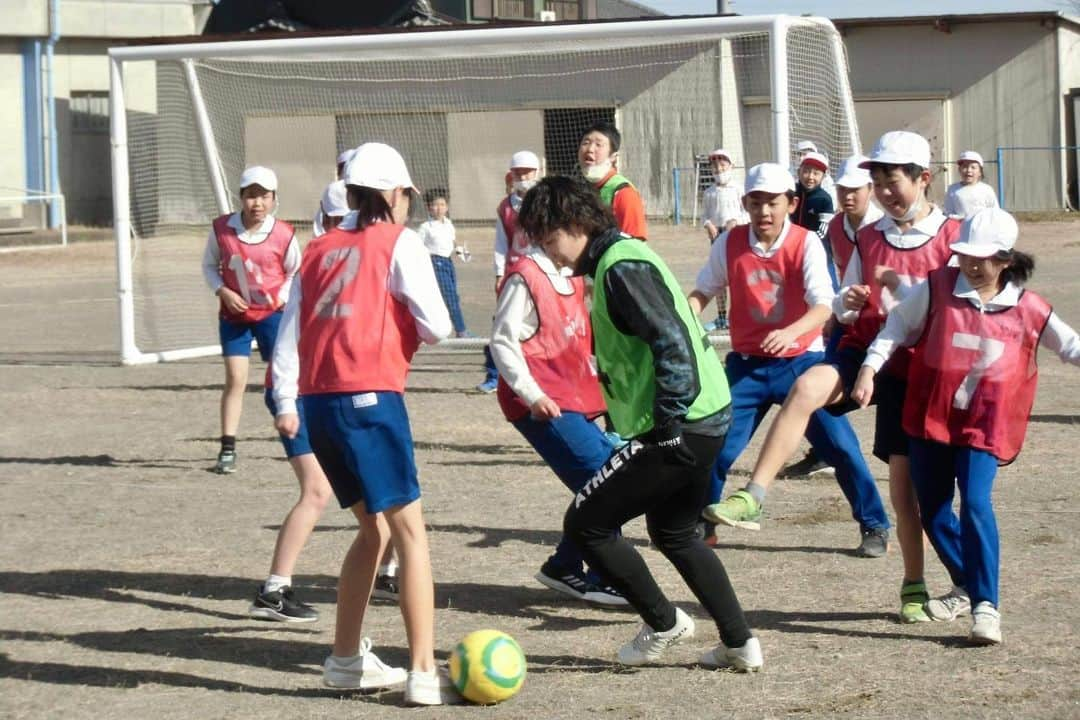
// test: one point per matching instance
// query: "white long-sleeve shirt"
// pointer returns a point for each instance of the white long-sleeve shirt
(516, 321)
(211, 262)
(917, 235)
(905, 323)
(722, 203)
(438, 236)
(411, 280)
(713, 276)
(502, 243)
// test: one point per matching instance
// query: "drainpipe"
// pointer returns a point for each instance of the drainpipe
(33, 133)
(53, 150)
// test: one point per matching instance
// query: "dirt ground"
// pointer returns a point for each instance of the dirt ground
(126, 566)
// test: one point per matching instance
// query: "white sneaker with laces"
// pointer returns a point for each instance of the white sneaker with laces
(649, 644)
(985, 625)
(949, 607)
(741, 659)
(364, 671)
(431, 688)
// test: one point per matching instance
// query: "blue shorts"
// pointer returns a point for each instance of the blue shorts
(889, 391)
(365, 446)
(236, 337)
(299, 445)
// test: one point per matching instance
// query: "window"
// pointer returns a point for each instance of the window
(90, 111)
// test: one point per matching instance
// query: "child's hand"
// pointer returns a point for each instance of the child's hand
(886, 276)
(232, 301)
(287, 424)
(864, 387)
(711, 230)
(778, 341)
(856, 296)
(545, 409)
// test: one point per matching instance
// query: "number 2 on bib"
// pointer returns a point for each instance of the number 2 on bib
(327, 306)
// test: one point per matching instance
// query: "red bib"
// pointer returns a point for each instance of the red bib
(766, 293)
(516, 241)
(354, 335)
(559, 354)
(973, 374)
(841, 245)
(255, 271)
(912, 265)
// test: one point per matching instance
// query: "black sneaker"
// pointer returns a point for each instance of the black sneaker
(386, 588)
(874, 544)
(226, 462)
(282, 606)
(808, 466)
(601, 594)
(572, 583)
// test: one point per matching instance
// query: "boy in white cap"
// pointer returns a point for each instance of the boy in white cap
(959, 322)
(910, 240)
(781, 296)
(721, 210)
(806, 146)
(249, 263)
(318, 225)
(971, 194)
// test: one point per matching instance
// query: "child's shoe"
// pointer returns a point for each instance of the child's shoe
(741, 659)
(649, 644)
(364, 671)
(739, 510)
(985, 625)
(949, 607)
(431, 688)
(913, 599)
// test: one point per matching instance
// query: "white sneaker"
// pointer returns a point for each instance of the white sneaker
(985, 625)
(431, 688)
(949, 607)
(741, 659)
(650, 644)
(361, 672)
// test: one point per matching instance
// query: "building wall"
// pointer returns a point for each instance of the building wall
(12, 151)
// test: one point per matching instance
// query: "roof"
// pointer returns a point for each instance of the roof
(624, 9)
(957, 19)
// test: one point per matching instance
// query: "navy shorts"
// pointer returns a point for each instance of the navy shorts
(365, 446)
(299, 445)
(236, 337)
(889, 391)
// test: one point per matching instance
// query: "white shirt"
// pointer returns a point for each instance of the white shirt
(438, 236)
(502, 243)
(515, 321)
(963, 201)
(211, 262)
(873, 214)
(905, 323)
(411, 281)
(713, 277)
(917, 235)
(721, 204)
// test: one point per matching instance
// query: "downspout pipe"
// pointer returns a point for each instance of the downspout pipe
(50, 102)
(33, 126)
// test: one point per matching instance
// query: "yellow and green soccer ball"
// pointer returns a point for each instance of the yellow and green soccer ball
(487, 666)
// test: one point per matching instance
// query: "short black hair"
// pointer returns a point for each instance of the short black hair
(606, 128)
(912, 170)
(433, 194)
(369, 204)
(563, 203)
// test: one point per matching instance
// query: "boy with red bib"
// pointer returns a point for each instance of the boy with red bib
(781, 296)
(975, 331)
(249, 263)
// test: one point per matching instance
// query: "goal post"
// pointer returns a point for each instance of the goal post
(187, 118)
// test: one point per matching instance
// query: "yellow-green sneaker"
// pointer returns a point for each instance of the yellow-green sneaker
(740, 510)
(913, 599)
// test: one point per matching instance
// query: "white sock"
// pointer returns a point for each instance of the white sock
(276, 582)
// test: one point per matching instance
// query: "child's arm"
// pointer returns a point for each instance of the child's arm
(502, 246)
(903, 326)
(712, 278)
(285, 365)
(853, 292)
(412, 281)
(291, 263)
(1059, 338)
(818, 296)
(211, 267)
(513, 309)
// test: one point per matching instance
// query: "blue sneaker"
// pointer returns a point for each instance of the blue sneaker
(488, 386)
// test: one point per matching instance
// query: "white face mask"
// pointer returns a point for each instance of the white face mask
(596, 173)
(723, 177)
(523, 186)
(912, 211)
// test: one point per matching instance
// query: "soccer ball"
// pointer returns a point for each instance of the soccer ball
(487, 667)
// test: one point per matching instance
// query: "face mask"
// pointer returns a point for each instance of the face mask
(723, 177)
(596, 173)
(913, 210)
(523, 186)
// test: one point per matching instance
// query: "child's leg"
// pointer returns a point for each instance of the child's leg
(296, 529)
(357, 578)
(447, 279)
(417, 586)
(232, 397)
(748, 380)
(975, 472)
(908, 525)
(933, 476)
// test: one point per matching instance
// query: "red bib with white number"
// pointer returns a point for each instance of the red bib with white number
(766, 293)
(559, 354)
(841, 245)
(973, 374)
(516, 241)
(256, 271)
(354, 335)
(912, 265)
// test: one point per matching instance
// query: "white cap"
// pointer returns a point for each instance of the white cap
(335, 202)
(345, 155)
(852, 174)
(805, 146)
(900, 147)
(258, 175)
(987, 232)
(815, 159)
(525, 159)
(720, 152)
(971, 156)
(769, 178)
(377, 166)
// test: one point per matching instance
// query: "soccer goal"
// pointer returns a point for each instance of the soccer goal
(187, 118)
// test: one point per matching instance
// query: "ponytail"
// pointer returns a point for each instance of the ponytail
(1021, 267)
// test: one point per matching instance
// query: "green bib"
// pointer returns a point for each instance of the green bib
(625, 363)
(614, 184)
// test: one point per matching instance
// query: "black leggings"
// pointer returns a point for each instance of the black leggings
(637, 481)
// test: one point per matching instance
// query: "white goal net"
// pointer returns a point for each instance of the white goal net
(186, 120)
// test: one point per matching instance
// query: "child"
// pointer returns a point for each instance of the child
(827, 184)
(542, 344)
(897, 252)
(598, 157)
(964, 418)
(365, 298)
(815, 207)
(721, 210)
(781, 296)
(319, 225)
(664, 388)
(249, 263)
(971, 194)
(440, 239)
